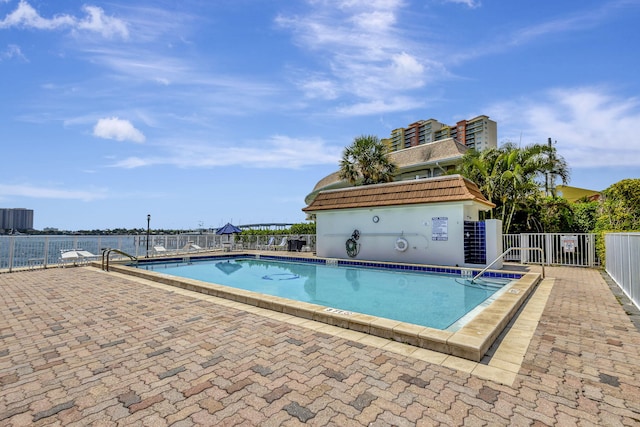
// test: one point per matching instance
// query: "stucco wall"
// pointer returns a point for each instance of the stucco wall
(494, 242)
(416, 224)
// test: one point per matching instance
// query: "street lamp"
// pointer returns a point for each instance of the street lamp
(148, 222)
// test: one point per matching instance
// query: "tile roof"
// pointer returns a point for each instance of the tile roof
(428, 153)
(419, 191)
(424, 154)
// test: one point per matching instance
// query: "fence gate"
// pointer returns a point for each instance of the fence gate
(570, 249)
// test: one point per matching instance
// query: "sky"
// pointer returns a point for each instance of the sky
(203, 112)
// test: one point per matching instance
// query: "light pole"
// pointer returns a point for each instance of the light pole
(148, 222)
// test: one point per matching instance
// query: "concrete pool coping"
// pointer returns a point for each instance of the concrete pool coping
(471, 342)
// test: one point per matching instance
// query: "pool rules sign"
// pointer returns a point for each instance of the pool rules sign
(440, 228)
(569, 243)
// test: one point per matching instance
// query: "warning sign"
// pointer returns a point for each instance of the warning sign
(440, 228)
(569, 243)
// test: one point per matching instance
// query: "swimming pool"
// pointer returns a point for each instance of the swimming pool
(479, 329)
(434, 300)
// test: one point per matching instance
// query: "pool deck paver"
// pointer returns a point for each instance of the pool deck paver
(79, 347)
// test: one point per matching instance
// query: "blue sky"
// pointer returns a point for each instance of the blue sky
(203, 112)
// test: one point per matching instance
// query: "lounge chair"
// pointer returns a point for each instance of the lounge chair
(160, 250)
(282, 245)
(76, 257)
(269, 245)
(190, 246)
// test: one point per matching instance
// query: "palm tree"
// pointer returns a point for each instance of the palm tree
(365, 162)
(519, 168)
(510, 176)
(553, 166)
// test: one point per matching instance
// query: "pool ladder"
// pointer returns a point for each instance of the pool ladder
(506, 252)
(107, 252)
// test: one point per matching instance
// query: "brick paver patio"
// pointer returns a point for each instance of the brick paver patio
(82, 347)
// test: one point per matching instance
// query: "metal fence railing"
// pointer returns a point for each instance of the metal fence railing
(42, 251)
(622, 255)
(567, 249)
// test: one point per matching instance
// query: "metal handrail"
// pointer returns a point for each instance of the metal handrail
(107, 252)
(506, 252)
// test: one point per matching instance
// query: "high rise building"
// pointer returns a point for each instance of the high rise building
(479, 133)
(16, 219)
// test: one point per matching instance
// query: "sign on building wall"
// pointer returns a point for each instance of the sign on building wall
(440, 228)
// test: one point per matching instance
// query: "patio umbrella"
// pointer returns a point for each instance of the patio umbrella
(228, 267)
(228, 229)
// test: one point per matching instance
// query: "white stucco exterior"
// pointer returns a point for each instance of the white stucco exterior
(494, 242)
(434, 232)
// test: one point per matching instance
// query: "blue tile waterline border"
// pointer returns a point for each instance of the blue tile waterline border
(348, 263)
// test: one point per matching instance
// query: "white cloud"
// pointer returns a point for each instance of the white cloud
(320, 88)
(12, 51)
(367, 56)
(591, 125)
(135, 162)
(277, 152)
(200, 86)
(374, 21)
(25, 16)
(142, 64)
(98, 22)
(469, 3)
(38, 192)
(118, 129)
(406, 70)
(580, 21)
(392, 104)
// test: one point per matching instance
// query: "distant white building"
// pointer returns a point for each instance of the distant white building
(423, 221)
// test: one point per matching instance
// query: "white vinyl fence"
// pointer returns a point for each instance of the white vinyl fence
(623, 262)
(568, 249)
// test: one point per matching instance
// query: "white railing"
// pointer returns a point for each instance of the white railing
(622, 255)
(42, 251)
(568, 249)
(505, 253)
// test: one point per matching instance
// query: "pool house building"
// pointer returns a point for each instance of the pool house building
(433, 221)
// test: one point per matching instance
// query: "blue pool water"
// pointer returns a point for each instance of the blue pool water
(426, 299)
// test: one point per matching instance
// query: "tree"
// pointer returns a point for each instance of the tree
(584, 216)
(366, 162)
(552, 167)
(556, 215)
(511, 177)
(620, 207)
(303, 228)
